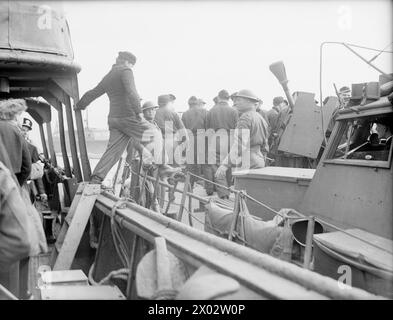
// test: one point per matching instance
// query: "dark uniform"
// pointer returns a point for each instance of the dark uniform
(257, 127)
(168, 120)
(194, 119)
(124, 123)
(17, 148)
(33, 152)
(38, 183)
(220, 116)
(277, 120)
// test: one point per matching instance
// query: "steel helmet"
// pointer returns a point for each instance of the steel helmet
(248, 94)
(149, 105)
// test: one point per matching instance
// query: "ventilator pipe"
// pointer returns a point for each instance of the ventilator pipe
(278, 69)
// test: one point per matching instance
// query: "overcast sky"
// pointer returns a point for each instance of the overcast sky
(197, 48)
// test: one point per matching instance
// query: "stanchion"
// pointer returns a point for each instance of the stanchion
(236, 211)
(184, 197)
(308, 250)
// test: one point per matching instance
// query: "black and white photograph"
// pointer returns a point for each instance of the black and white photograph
(205, 152)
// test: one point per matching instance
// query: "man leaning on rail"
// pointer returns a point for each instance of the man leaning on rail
(125, 119)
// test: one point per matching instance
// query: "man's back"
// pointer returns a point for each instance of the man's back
(272, 117)
(258, 127)
(222, 116)
(264, 113)
(276, 118)
(168, 120)
(195, 118)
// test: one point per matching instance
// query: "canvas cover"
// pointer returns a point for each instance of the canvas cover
(38, 26)
(358, 249)
(259, 235)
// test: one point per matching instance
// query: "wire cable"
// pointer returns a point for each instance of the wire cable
(378, 54)
(368, 48)
(280, 214)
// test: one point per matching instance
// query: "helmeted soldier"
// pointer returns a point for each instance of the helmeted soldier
(250, 138)
(149, 109)
(195, 117)
(221, 117)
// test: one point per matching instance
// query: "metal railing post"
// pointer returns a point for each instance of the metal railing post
(308, 250)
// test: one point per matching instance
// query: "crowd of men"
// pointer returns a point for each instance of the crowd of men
(137, 127)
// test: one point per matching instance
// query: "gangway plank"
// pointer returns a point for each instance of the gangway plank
(74, 225)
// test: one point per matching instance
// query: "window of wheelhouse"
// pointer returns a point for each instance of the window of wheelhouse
(365, 141)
